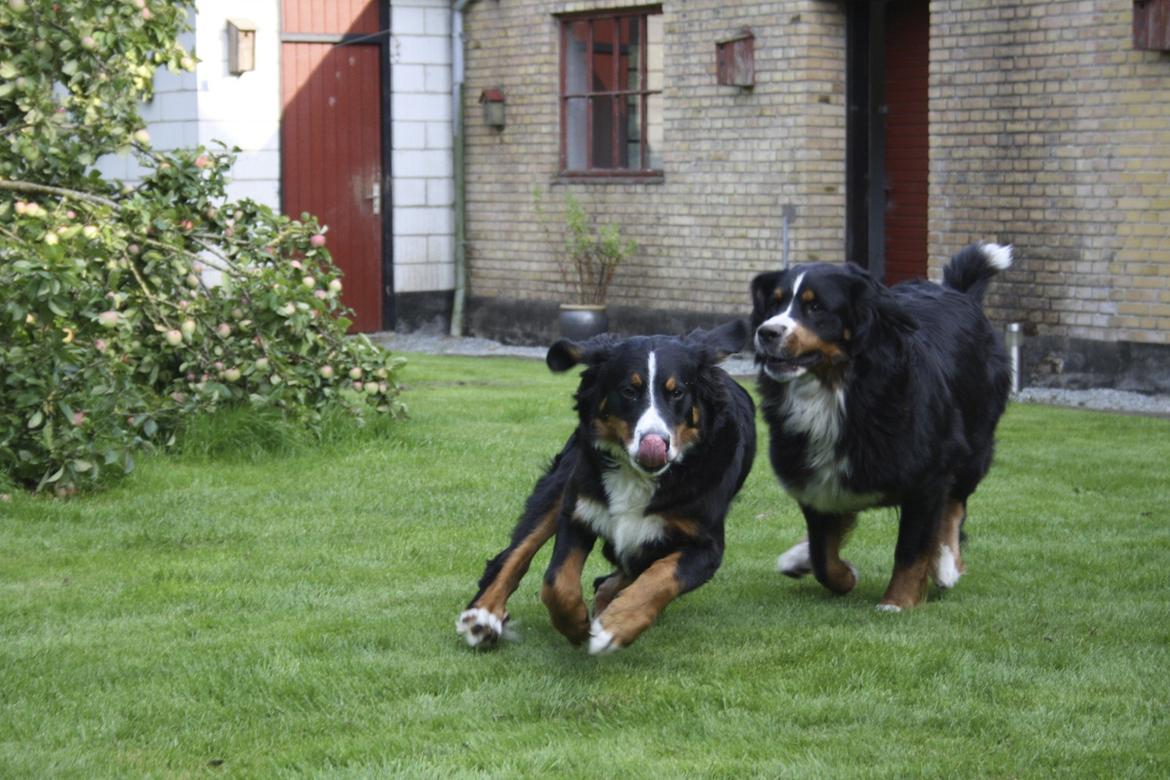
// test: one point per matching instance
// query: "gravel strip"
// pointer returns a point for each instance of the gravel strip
(1100, 399)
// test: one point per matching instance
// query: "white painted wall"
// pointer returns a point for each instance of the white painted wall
(241, 110)
(424, 194)
(211, 105)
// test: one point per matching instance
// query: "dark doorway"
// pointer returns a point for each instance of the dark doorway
(887, 137)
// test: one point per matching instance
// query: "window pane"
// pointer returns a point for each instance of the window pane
(631, 53)
(603, 55)
(654, 132)
(575, 136)
(654, 39)
(603, 128)
(631, 136)
(576, 62)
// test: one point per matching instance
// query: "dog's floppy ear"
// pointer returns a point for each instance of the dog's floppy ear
(875, 308)
(720, 342)
(762, 287)
(565, 354)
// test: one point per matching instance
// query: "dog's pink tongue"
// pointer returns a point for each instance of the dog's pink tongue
(652, 452)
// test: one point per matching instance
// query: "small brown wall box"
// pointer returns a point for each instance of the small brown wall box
(735, 59)
(493, 107)
(241, 41)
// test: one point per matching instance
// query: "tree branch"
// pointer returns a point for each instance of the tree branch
(44, 189)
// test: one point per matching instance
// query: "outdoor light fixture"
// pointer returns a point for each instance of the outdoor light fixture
(241, 35)
(493, 107)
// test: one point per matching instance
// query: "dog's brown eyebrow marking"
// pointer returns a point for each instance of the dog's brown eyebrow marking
(636, 379)
(778, 295)
(671, 384)
(808, 295)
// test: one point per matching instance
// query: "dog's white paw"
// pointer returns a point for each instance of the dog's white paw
(480, 628)
(946, 573)
(601, 642)
(888, 608)
(795, 562)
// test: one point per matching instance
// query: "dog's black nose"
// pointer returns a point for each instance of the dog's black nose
(768, 334)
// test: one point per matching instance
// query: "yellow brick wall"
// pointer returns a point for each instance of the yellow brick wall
(1049, 131)
(732, 158)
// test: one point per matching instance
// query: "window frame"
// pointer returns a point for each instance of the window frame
(565, 23)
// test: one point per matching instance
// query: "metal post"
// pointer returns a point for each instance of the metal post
(1013, 344)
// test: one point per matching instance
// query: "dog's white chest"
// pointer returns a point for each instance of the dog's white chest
(818, 412)
(624, 521)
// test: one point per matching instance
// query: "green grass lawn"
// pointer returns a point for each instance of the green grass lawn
(295, 615)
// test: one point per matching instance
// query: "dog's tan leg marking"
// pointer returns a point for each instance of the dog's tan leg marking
(907, 586)
(495, 597)
(826, 537)
(483, 621)
(636, 607)
(562, 596)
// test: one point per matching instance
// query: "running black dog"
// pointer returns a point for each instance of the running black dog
(879, 396)
(664, 442)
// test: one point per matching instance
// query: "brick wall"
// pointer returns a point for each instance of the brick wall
(731, 158)
(1049, 131)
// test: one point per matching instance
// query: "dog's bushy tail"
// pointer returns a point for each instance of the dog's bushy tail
(973, 267)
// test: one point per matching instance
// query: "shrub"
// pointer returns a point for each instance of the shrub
(590, 257)
(110, 336)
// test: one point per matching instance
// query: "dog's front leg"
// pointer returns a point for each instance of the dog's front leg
(637, 607)
(483, 621)
(561, 593)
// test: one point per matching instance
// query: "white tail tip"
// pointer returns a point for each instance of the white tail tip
(1000, 257)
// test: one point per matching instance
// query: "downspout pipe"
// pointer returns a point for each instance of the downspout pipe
(457, 76)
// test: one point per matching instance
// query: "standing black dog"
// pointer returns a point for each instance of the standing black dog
(665, 441)
(879, 396)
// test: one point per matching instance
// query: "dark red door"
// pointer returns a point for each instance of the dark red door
(907, 138)
(331, 139)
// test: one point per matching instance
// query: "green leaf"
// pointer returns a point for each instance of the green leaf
(37, 418)
(82, 465)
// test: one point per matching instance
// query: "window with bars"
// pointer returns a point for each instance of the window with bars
(611, 93)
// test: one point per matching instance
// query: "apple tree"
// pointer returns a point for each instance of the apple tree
(110, 336)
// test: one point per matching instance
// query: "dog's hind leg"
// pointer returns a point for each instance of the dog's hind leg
(948, 562)
(606, 589)
(826, 537)
(795, 561)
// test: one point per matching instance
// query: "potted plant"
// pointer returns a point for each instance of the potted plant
(588, 264)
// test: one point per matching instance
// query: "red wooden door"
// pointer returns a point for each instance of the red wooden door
(331, 140)
(907, 153)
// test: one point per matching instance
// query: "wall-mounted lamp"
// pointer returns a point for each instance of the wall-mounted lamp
(493, 107)
(241, 35)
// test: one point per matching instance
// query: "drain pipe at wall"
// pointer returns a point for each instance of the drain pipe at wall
(460, 295)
